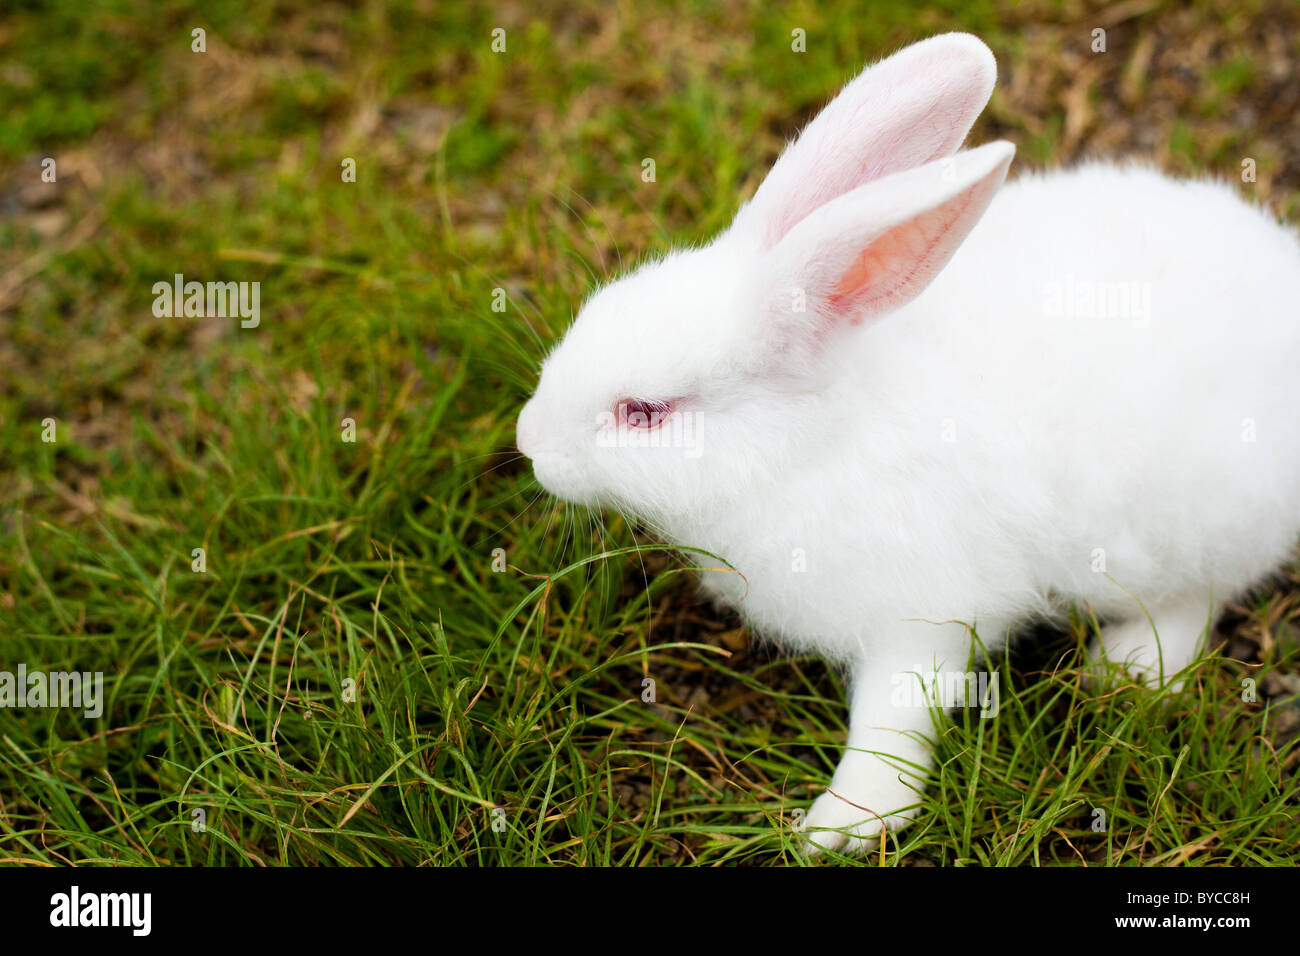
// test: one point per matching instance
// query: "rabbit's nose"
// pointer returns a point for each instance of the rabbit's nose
(526, 429)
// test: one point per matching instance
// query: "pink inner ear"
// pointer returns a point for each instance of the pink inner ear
(910, 252)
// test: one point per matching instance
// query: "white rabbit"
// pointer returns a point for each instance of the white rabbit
(1096, 402)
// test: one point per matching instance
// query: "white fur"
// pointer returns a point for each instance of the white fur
(958, 453)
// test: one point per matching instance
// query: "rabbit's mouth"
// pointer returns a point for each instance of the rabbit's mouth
(560, 476)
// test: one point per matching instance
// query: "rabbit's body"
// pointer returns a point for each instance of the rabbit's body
(1004, 458)
(1093, 401)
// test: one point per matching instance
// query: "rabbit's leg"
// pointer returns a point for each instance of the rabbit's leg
(879, 780)
(1157, 649)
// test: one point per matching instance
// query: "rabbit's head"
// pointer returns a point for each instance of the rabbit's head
(701, 372)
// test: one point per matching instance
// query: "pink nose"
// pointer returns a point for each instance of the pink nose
(526, 429)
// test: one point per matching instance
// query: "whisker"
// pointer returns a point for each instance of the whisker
(502, 530)
(587, 229)
(645, 575)
(515, 300)
(609, 232)
(483, 474)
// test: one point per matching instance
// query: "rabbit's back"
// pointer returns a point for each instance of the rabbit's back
(1115, 355)
(1097, 400)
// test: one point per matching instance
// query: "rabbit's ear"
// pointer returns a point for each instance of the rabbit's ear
(901, 113)
(876, 248)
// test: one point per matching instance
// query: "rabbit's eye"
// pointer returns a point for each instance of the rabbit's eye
(638, 413)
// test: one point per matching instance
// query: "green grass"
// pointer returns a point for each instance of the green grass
(350, 680)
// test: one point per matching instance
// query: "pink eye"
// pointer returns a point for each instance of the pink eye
(638, 413)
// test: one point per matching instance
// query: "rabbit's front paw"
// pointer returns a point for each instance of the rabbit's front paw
(849, 818)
